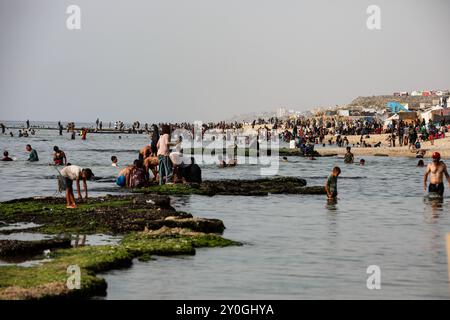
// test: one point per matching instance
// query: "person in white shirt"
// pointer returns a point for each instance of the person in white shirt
(75, 173)
(114, 161)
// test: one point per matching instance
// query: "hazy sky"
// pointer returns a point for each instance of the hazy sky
(174, 60)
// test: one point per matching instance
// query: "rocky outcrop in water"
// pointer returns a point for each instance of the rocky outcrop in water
(14, 248)
(237, 187)
(111, 215)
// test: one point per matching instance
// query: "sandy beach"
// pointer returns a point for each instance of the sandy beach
(440, 145)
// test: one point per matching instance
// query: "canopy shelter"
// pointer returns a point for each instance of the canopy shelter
(395, 107)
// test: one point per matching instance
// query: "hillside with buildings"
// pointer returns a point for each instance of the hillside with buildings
(372, 106)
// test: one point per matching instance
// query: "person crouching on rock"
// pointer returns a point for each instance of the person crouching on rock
(73, 173)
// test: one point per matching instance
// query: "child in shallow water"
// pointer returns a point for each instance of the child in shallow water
(331, 184)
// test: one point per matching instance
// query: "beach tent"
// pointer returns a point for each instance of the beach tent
(389, 120)
(438, 114)
(427, 115)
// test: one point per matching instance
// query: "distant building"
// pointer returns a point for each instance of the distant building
(282, 112)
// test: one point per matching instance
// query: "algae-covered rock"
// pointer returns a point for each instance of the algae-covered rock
(49, 279)
(257, 187)
(12, 248)
(111, 215)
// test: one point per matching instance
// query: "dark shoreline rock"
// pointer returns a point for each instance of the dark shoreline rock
(257, 187)
(13, 248)
(110, 215)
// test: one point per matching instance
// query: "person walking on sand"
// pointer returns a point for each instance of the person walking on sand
(75, 173)
(331, 184)
(436, 170)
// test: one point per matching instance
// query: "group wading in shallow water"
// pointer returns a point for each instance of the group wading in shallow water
(163, 161)
(166, 166)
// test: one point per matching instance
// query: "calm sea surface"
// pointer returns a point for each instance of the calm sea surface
(296, 247)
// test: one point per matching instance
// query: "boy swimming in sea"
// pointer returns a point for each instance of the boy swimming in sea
(331, 184)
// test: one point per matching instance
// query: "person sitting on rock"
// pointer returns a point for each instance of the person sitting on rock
(137, 176)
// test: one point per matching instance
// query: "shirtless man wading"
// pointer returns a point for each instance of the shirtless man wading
(437, 169)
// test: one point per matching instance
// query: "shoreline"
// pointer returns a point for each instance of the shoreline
(440, 145)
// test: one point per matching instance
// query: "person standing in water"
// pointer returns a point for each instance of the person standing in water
(33, 154)
(164, 165)
(114, 161)
(349, 157)
(331, 184)
(436, 170)
(59, 157)
(83, 133)
(155, 138)
(6, 156)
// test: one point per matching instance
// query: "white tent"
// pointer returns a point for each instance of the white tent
(389, 120)
(429, 113)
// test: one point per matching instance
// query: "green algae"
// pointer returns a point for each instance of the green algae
(257, 187)
(110, 215)
(49, 279)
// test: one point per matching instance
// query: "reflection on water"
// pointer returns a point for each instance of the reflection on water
(433, 207)
(297, 246)
(332, 204)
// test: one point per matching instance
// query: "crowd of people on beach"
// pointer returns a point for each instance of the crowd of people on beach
(162, 161)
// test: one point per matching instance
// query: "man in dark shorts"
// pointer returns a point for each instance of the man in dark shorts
(75, 173)
(437, 170)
